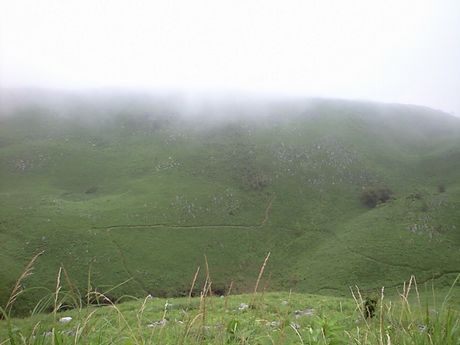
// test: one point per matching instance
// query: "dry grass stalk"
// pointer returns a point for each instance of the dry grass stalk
(388, 339)
(88, 286)
(73, 290)
(140, 313)
(446, 299)
(381, 316)
(17, 290)
(203, 296)
(404, 298)
(297, 332)
(56, 293)
(134, 335)
(261, 272)
(359, 303)
(81, 328)
(190, 325)
(193, 283)
(205, 292)
(416, 291)
(208, 276)
(228, 294)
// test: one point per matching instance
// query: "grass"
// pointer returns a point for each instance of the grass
(131, 196)
(258, 318)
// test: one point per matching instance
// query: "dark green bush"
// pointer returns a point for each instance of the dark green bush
(374, 196)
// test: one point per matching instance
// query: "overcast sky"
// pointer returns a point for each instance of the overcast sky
(387, 50)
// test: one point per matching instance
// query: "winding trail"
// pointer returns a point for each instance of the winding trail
(370, 258)
(205, 226)
(267, 210)
(125, 266)
(435, 276)
(357, 253)
(263, 222)
(150, 226)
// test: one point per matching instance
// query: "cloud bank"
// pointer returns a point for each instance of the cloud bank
(385, 50)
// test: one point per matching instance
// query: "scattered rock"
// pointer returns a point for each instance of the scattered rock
(295, 325)
(305, 312)
(159, 323)
(274, 324)
(243, 306)
(65, 319)
(422, 328)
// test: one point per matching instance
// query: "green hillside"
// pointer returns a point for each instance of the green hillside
(139, 193)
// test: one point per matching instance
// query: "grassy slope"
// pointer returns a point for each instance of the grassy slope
(167, 193)
(273, 318)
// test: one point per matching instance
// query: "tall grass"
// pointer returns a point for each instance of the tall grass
(270, 318)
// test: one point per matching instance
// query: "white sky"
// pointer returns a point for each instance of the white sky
(389, 50)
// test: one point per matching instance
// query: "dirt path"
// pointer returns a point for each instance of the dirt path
(435, 276)
(125, 266)
(267, 210)
(370, 258)
(150, 226)
(205, 226)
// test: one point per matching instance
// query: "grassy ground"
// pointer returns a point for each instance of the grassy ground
(141, 199)
(414, 317)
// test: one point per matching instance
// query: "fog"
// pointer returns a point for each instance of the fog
(184, 106)
(390, 50)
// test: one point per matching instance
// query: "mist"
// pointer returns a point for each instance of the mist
(387, 51)
(189, 108)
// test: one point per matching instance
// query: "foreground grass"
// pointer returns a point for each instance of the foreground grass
(271, 318)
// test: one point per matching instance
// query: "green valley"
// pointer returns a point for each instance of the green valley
(139, 195)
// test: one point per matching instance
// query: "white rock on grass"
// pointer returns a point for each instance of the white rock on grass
(159, 323)
(305, 312)
(295, 326)
(422, 328)
(65, 319)
(275, 324)
(243, 306)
